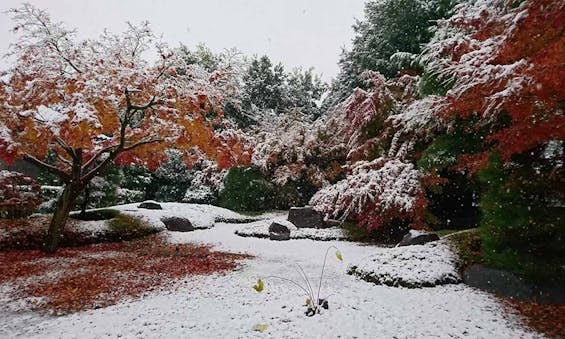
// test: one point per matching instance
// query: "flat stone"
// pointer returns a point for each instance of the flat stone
(507, 284)
(305, 217)
(417, 238)
(178, 224)
(150, 205)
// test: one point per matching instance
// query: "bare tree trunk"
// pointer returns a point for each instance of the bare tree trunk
(64, 205)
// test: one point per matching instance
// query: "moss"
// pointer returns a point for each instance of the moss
(93, 215)
(126, 227)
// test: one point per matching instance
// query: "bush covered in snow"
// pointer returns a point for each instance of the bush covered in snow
(377, 194)
(414, 266)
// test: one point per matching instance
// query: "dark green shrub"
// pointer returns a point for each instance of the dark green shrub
(522, 210)
(246, 189)
(104, 214)
(293, 193)
(126, 227)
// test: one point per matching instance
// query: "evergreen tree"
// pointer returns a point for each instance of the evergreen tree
(264, 86)
(391, 31)
(305, 90)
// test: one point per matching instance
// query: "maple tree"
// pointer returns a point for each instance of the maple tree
(95, 102)
(501, 77)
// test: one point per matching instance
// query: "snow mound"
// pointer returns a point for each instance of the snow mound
(414, 266)
(201, 216)
(260, 229)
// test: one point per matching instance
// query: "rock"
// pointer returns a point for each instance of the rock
(332, 223)
(305, 217)
(279, 232)
(417, 238)
(508, 284)
(150, 205)
(178, 224)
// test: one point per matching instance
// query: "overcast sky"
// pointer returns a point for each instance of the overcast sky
(296, 32)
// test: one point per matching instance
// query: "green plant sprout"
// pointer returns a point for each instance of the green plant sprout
(313, 301)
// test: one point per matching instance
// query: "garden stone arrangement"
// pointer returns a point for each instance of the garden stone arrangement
(299, 223)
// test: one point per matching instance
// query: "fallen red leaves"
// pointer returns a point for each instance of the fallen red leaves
(94, 276)
(545, 318)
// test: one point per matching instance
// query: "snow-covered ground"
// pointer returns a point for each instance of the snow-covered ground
(226, 306)
(201, 216)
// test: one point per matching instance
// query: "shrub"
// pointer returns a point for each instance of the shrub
(522, 216)
(104, 214)
(381, 194)
(19, 195)
(246, 189)
(126, 227)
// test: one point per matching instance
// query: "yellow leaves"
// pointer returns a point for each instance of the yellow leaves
(107, 116)
(338, 256)
(261, 327)
(259, 286)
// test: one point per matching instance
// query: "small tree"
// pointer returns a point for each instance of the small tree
(98, 101)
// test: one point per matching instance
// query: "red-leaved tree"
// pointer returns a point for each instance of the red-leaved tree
(95, 102)
(505, 59)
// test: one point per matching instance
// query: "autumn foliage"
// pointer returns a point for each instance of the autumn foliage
(506, 61)
(101, 275)
(95, 102)
(19, 194)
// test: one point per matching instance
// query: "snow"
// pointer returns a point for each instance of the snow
(430, 264)
(201, 216)
(260, 229)
(225, 306)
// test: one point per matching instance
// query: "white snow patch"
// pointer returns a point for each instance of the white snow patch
(200, 216)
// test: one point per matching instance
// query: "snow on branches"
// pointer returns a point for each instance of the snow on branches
(505, 59)
(103, 97)
(375, 193)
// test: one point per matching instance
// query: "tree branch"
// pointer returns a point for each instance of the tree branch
(141, 143)
(95, 156)
(51, 169)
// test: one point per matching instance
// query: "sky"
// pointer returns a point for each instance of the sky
(307, 33)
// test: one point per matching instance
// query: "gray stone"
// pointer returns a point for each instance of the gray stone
(178, 224)
(507, 284)
(332, 223)
(305, 217)
(417, 238)
(149, 205)
(278, 232)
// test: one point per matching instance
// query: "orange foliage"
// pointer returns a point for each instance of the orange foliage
(513, 67)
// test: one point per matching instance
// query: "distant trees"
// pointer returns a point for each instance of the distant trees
(387, 40)
(267, 87)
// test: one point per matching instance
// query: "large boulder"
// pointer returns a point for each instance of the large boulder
(178, 224)
(417, 238)
(305, 217)
(150, 205)
(278, 232)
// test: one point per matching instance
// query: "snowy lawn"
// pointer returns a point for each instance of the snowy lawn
(226, 306)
